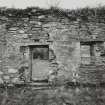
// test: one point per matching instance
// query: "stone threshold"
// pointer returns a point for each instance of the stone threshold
(42, 85)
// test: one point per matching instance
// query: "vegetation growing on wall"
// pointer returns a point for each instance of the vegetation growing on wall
(85, 14)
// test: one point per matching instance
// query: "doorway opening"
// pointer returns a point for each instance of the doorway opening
(39, 62)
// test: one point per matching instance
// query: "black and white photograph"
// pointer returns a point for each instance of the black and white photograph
(52, 52)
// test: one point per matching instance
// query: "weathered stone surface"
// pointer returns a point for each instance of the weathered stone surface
(63, 37)
(15, 80)
(1, 80)
(11, 70)
(6, 78)
(1, 73)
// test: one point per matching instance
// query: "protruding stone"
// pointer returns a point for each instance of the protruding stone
(25, 35)
(15, 80)
(6, 77)
(11, 70)
(41, 17)
(21, 31)
(13, 29)
(77, 90)
(1, 73)
(1, 81)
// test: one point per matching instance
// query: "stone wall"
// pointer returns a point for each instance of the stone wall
(63, 36)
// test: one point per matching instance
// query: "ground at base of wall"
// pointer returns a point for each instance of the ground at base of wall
(52, 96)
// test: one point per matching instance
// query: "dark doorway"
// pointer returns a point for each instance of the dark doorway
(39, 61)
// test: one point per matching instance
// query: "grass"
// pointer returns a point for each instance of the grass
(52, 96)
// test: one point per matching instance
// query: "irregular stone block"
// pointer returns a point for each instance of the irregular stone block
(15, 80)
(6, 78)
(1, 81)
(1, 73)
(11, 70)
(21, 31)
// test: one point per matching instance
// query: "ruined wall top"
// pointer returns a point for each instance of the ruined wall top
(84, 14)
(89, 23)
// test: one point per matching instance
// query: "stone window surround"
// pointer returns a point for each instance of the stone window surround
(91, 45)
(30, 46)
